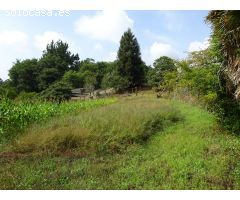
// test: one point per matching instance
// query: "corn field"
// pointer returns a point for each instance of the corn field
(14, 117)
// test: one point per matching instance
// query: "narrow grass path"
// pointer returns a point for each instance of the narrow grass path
(195, 154)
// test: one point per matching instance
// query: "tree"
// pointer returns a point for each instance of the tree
(226, 25)
(23, 75)
(75, 79)
(32, 75)
(58, 91)
(62, 57)
(201, 80)
(48, 76)
(214, 49)
(7, 90)
(114, 80)
(153, 79)
(102, 68)
(169, 83)
(55, 61)
(93, 72)
(130, 64)
(90, 80)
(211, 55)
(161, 65)
(164, 63)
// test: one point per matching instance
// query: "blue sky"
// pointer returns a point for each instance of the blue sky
(96, 34)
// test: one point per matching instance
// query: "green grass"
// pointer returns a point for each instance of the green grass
(105, 130)
(15, 117)
(124, 147)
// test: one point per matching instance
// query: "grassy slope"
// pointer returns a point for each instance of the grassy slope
(195, 154)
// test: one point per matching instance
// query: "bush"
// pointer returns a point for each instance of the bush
(75, 79)
(228, 112)
(58, 91)
(209, 99)
(114, 80)
(28, 97)
(7, 91)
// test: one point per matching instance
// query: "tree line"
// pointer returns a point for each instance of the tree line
(58, 71)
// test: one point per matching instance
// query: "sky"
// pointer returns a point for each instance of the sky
(96, 34)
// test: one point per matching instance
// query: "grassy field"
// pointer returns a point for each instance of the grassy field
(135, 143)
(15, 117)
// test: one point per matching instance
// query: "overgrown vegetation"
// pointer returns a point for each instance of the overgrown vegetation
(209, 75)
(80, 152)
(140, 142)
(103, 130)
(17, 116)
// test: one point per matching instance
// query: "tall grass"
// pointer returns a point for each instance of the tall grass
(105, 130)
(14, 117)
(119, 146)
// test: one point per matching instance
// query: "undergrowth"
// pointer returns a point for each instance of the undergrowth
(104, 130)
(137, 143)
(15, 117)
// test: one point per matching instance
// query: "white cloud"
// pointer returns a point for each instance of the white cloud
(158, 49)
(199, 46)
(104, 25)
(41, 41)
(111, 56)
(13, 44)
(13, 37)
(98, 47)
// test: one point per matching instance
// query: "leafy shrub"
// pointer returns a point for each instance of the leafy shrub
(114, 80)
(75, 79)
(7, 91)
(210, 98)
(228, 112)
(58, 91)
(28, 97)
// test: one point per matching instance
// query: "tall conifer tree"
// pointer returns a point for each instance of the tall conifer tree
(129, 60)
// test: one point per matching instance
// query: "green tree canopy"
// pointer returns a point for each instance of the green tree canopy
(164, 63)
(60, 56)
(48, 76)
(226, 26)
(75, 79)
(129, 60)
(23, 75)
(7, 90)
(58, 91)
(112, 78)
(161, 65)
(55, 61)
